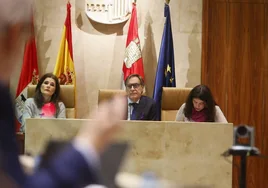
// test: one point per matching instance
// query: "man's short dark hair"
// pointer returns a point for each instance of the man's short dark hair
(132, 76)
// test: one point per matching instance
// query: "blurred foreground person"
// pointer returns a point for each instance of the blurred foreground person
(77, 164)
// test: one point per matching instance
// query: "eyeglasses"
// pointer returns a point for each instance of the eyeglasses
(135, 86)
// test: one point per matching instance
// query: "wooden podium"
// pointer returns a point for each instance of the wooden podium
(185, 153)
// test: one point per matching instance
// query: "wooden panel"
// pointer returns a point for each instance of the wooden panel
(241, 1)
(247, 1)
(218, 18)
(235, 67)
(263, 134)
(245, 63)
(220, 0)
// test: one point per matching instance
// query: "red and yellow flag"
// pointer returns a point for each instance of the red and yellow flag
(64, 68)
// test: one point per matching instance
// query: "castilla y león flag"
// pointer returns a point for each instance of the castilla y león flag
(133, 60)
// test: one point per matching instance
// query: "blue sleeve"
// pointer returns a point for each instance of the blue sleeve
(68, 169)
(8, 143)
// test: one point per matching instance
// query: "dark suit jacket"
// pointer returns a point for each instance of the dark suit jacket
(146, 109)
(67, 169)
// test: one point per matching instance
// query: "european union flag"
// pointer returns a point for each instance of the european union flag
(165, 75)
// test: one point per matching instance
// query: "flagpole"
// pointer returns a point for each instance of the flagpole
(167, 1)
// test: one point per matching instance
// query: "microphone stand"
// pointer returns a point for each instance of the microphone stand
(243, 152)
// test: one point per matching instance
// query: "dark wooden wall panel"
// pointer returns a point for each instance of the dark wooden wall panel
(264, 125)
(247, 1)
(246, 59)
(235, 67)
(216, 49)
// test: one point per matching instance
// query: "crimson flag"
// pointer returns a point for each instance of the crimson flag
(29, 75)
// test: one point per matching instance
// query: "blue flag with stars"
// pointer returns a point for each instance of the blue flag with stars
(165, 74)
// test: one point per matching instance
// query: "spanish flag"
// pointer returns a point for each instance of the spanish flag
(64, 68)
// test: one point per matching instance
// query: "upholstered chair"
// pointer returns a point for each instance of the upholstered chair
(172, 99)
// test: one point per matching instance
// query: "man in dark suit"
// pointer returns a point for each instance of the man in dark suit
(139, 107)
(77, 164)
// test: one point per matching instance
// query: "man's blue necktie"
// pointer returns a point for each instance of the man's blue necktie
(133, 116)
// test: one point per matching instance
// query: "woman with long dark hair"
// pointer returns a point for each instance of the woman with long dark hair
(45, 103)
(200, 106)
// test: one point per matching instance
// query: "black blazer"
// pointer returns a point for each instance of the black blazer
(146, 109)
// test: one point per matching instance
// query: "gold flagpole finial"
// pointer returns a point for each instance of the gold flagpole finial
(167, 1)
(135, 1)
